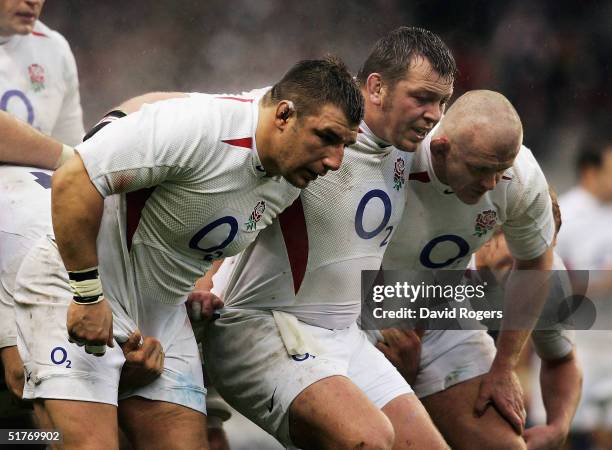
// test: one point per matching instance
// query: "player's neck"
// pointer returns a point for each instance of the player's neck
(263, 139)
(376, 124)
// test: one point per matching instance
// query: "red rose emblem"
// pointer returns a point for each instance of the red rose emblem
(37, 73)
(259, 209)
(485, 221)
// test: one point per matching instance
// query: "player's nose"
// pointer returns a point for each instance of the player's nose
(334, 157)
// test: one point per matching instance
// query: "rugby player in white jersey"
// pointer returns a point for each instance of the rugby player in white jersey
(286, 350)
(38, 73)
(197, 178)
(470, 175)
(585, 243)
(38, 85)
(560, 374)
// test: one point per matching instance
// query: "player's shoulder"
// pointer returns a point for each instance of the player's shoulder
(525, 174)
(525, 167)
(43, 35)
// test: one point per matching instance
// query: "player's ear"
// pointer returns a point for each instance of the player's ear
(375, 89)
(440, 146)
(285, 110)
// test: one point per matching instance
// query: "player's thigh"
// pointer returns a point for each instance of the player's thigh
(335, 413)
(84, 425)
(412, 425)
(372, 372)
(250, 367)
(151, 424)
(452, 410)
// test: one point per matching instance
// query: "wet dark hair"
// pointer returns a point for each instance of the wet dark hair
(591, 151)
(312, 83)
(392, 55)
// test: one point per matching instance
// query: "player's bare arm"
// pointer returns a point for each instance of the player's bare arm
(561, 382)
(24, 145)
(76, 210)
(501, 386)
(403, 349)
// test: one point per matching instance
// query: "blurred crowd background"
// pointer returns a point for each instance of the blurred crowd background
(551, 58)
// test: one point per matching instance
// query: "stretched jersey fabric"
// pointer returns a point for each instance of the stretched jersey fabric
(191, 189)
(439, 231)
(39, 83)
(25, 205)
(308, 263)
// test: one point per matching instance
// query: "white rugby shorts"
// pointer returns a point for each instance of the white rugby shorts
(450, 357)
(250, 367)
(58, 369)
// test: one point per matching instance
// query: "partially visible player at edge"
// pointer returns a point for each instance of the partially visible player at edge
(38, 85)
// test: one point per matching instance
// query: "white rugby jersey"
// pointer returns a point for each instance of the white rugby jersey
(439, 231)
(309, 262)
(585, 240)
(39, 83)
(192, 189)
(25, 215)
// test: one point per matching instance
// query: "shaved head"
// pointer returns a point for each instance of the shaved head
(477, 140)
(483, 119)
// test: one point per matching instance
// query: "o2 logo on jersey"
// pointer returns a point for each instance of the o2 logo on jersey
(375, 195)
(59, 356)
(304, 357)
(222, 230)
(461, 250)
(15, 97)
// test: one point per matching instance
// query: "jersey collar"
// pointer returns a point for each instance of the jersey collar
(371, 142)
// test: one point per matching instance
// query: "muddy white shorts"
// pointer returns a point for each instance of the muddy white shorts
(251, 368)
(58, 369)
(449, 357)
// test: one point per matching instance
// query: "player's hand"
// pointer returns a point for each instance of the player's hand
(13, 370)
(144, 361)
(544, 437)
(403, 349)
(91, 325)
(202, 304)
(501, 388)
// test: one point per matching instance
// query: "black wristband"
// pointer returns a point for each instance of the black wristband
(108, 118)
(82, 276)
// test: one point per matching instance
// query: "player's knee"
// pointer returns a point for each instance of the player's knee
(380, 438)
